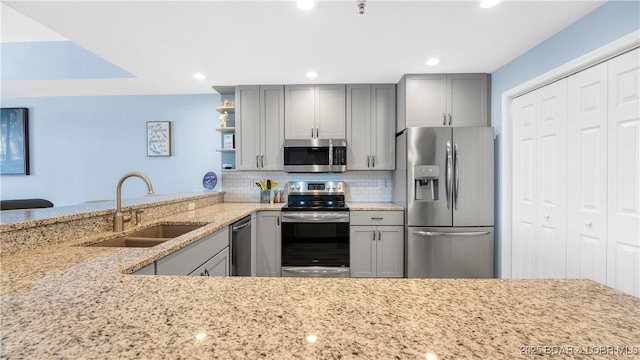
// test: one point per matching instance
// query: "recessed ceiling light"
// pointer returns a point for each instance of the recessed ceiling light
(433, 61)
(199, 76)
(305, 4)
(312, 74)
(489, 3)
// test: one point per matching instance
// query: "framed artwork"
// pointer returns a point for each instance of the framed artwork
(14, 141)
(158, 138)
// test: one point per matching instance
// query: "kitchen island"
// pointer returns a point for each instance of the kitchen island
(71, 301)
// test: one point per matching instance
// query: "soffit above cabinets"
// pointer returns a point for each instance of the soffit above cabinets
(162, 44)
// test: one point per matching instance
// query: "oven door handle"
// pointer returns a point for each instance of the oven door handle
(315, 217)
(315, 271)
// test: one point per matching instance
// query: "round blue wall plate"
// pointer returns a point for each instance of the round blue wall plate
(210, 180)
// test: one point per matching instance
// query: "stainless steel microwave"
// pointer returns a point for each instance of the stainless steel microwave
(315, 155)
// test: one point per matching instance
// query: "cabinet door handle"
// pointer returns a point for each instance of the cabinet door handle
(587, 223)
(368, 158)
(317, 132)
(373, 161)
(206, 272)
(373, 234)
(257, 163)
(312, 132)
(278, 220)
(262, 161)
(444, 119)
(450, 121)
(379, 235)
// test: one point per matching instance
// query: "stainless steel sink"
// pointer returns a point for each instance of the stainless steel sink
(148, 237)
(164, 231)
(127, 241)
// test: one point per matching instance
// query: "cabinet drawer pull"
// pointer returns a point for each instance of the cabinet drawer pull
(377, 218)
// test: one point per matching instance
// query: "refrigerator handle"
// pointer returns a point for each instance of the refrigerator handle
(439, 233)
(448, 176)
(456, 175)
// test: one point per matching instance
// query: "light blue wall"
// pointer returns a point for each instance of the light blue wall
(607, 23)
(80, 146)
(54, 60)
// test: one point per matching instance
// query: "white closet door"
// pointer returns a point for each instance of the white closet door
(551, 184)
(524, 189)
(587, 175)
(623, 255)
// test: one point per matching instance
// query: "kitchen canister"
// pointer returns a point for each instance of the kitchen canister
(265, 196)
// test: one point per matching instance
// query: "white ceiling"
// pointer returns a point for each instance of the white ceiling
(273, 42)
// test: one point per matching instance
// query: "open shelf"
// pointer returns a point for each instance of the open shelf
(228, 109)
(226, 129)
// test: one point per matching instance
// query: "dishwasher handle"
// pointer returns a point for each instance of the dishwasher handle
(241, 224)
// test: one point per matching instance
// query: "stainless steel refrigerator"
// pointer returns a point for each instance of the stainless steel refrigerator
(444, 179)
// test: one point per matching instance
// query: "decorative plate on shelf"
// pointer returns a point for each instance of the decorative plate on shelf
(210, 180)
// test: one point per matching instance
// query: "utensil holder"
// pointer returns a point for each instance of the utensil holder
(265, 196)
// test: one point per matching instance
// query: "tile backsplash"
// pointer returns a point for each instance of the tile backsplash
(362, 186)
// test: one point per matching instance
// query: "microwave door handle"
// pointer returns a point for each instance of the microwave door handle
(330, 155)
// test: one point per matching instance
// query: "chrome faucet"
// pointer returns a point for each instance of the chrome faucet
(118, 218)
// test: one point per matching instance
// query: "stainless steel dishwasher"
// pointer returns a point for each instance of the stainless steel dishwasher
(241, 247)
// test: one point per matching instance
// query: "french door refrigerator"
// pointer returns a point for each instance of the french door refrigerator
(444, 179)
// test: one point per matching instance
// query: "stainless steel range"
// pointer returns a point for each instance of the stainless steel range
(315, 230)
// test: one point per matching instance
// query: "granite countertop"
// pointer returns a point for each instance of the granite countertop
(17, 219)
(68, 301)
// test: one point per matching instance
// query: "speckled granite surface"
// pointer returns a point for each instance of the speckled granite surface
(66, 301)
(18, 219)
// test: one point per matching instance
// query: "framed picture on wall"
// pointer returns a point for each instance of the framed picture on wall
(14, 141)
(158, 138)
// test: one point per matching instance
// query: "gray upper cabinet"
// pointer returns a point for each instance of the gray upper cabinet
(443, 100)
(371, 127)
(315, 112)
(259, 127)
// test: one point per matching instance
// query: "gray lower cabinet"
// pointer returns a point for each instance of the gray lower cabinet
(268, 243)
(371, 126)
(147, 270)
(218, 265)
(443, 100)
(376, 245)
(189, 259)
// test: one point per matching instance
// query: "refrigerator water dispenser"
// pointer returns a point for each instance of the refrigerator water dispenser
(426, 182)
